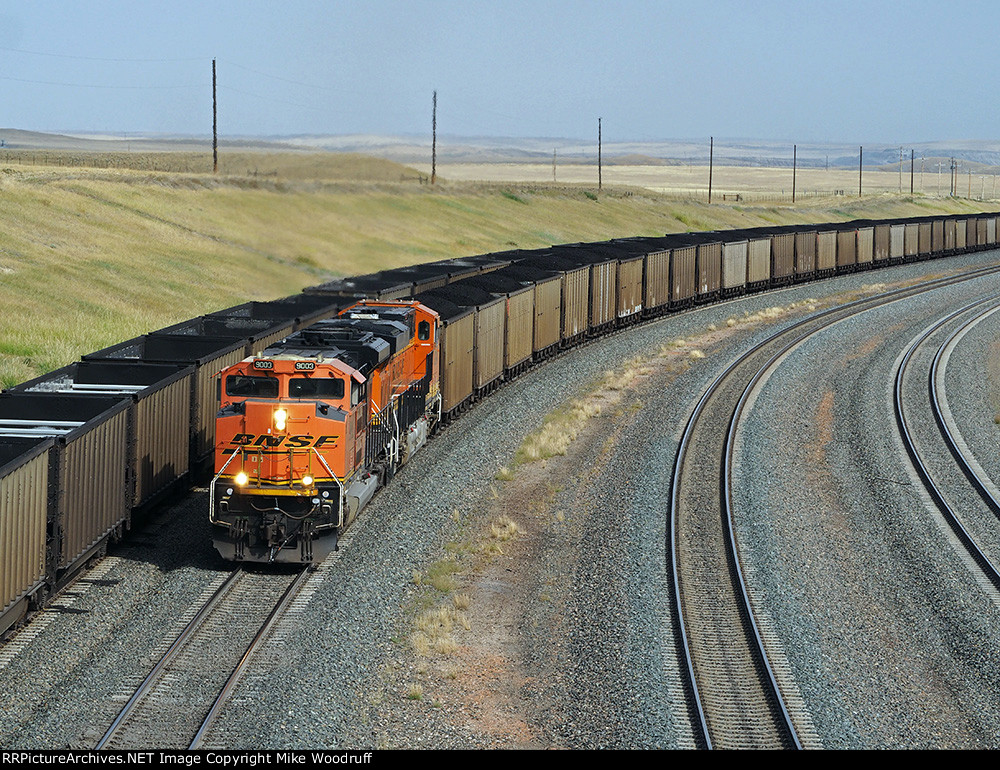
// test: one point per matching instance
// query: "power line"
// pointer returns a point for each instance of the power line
(280, 78)
(96, 85)
(99, 58)
(269, 98)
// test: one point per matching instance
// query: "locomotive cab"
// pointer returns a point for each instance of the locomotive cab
(290, 427)
(308, 430)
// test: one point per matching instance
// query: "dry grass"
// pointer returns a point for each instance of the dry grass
(91, 256)
(815, 187)
(561, 427)
(435, 630)
(505, 528)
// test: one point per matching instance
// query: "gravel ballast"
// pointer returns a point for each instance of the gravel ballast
(888, 626)
(336, 673)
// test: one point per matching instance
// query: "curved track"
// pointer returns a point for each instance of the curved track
(941, 490)
(739, 698)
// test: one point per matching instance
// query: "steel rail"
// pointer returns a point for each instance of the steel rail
(937, 400)
(826, 319)
(237, 673)
(990, 570)
(169, 655)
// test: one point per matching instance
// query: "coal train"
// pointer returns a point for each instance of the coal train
(85, 449)
(311, 427)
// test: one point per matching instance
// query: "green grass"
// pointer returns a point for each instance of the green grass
(92, 256)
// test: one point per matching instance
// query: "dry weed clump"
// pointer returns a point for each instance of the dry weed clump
(557, 432)
(435, 631)
(504, 474)
(505, 528)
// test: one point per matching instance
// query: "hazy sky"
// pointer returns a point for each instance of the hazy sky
(790, 70)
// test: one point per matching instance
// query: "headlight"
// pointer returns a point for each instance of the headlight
(280, 415)
(307, 481)
(241, 478)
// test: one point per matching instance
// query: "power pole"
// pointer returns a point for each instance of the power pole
(911, 172)
(900, 170)
(861, 164)
(215, 125)
(434, 139)
(599, 179)
(711, 159)
(795, 152)
(553, 164)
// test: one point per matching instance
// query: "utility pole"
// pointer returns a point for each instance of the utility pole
(939, 178)
(553, 164)
(900, 170)
(795, 151)
(861, 165)
(215, 125)
(911, 172)
(599, 179)
(711, 158)
(434, 139)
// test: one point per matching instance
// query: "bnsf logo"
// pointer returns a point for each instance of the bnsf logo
(289, 442)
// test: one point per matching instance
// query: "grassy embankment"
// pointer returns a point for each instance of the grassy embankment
(92, 256)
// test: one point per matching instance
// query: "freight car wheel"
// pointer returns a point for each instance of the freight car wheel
(40, 598)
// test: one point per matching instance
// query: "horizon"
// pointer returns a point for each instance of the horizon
(848, 72)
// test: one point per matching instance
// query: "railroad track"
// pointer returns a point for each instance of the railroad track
(177, 703)
(742, 694)
(959, 487)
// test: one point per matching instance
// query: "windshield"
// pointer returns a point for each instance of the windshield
(251, 387)
(315, 387)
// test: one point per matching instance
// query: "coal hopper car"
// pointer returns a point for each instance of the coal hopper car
(309, 429)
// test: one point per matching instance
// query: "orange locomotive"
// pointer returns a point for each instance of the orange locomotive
(308, 430)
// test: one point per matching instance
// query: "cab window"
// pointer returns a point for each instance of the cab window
(359, 392)
(424, 330)
(251, 387)
(315, 387)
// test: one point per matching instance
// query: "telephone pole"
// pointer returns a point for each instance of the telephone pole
(795, 152)
(215, 125)
(434, 139)
(599, 180)
(711, 158)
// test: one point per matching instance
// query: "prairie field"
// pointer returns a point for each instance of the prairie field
(751, 183)
(92, 253)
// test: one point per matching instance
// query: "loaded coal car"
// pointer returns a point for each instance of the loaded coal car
(309, 429)
(547, 286)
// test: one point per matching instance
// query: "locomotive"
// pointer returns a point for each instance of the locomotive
(309, 430)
